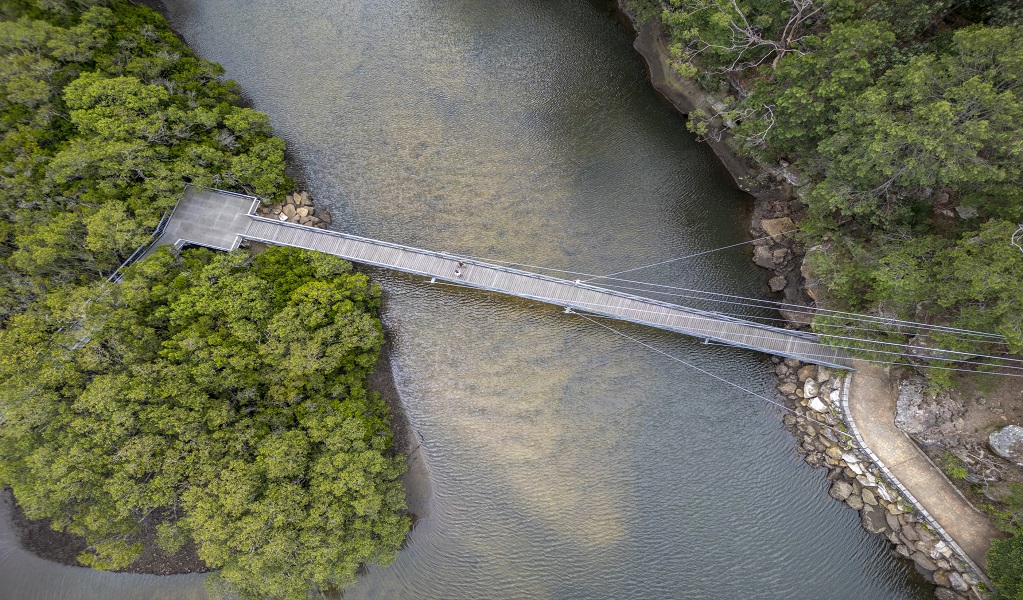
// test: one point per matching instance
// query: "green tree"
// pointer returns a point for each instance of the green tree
(104, 116)
(936, 124)
(226, 390)
(795, 106)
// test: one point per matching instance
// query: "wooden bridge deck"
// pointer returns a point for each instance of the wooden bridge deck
(578, 296)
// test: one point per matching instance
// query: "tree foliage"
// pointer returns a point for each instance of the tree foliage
(903, 119)
(936, 124)
(1005, 567)
(104, 115)
(215, 398)
(222, 394)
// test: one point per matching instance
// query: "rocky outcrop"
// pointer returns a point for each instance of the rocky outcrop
(775, 249)
(778, 228)
(297, 208)
(686, 96)
(929, 419)
(813, 396)
(1007, 442)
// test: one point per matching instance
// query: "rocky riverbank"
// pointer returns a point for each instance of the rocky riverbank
(813, 393)
(818, 423)
(776, 207)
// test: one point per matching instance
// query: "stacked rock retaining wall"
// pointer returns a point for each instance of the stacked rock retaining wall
(827, 438)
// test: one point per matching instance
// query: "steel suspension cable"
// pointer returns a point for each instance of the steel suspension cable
(710, 374)
(671, 260)
(771, 303)
(876, 361)
(596, 306)
(612, 286)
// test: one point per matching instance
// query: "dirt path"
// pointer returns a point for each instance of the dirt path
(872, 399)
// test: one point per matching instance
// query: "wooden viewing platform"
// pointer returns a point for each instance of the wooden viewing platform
(221, 220)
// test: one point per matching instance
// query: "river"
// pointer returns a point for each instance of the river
(563, 460)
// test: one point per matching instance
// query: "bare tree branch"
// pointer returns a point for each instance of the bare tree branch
(747, 41)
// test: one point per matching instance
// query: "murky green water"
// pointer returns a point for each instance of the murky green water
(564, 461)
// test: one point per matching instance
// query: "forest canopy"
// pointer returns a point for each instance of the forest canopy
(220, 399)
(220, 394)
(104, 116)
(902, 119)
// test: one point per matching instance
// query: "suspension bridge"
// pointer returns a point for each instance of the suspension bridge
(222, 220)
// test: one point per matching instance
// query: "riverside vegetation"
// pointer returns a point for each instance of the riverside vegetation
(898, 121)
(219, 399)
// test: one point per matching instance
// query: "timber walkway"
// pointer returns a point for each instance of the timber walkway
(221, 220)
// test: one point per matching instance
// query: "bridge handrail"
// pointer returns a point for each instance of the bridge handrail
(161, 226)
(220, 191)
(445, 255)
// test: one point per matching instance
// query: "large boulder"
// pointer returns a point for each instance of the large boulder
(840, 490)
(930, 419)
(893, 521)
(924, 561)
(1007, 442)
(966, 212)
(873, 519)
(943, 593)
(817, 405)
(762, 257)
(780, 256)
(787, 388)
(811, 283)
(957, 581)
(807, 371)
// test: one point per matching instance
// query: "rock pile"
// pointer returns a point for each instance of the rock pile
(297, 208)
(813, 394)
(776, 249)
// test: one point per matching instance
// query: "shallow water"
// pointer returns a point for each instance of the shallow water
(564, 460)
